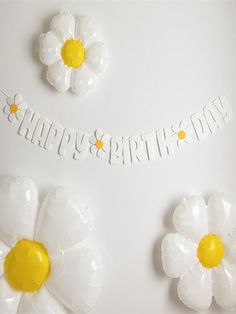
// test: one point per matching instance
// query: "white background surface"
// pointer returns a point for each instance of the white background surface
(167, 60)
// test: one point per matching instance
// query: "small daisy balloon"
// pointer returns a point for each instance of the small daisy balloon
(202, 252)
(73, 53)
(43, 270)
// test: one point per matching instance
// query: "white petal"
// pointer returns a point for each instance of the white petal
(63, 25)
(195, 288)
(92, 140)
(59, 76)
(180, 143)
(106, 146)
(6, 109)
(10, 100)
(96, 56)
(178, 254)
(221, 214)
(93, 150)
(98, 134)
(106, 139)
(101, 153)
(86, 29)
(41, 302)
(230, 246)
(17, 98)
(76, 278)
(9, 298)
(63, 220)
(4, 250)
(224, 285)
(22, 106)
(82, 80)
(49, 48)
(222, 220)
(175, 128)
(12, 117)
(190, 217)
(18, 209)
(19, 115)
(188, 138)
(183, 124)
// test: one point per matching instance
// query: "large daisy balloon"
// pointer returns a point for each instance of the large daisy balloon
(202, 253)
(73, 53)
(43, 270)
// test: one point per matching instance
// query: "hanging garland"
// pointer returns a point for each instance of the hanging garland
(119, 150)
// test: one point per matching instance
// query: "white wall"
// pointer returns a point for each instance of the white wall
(167, 60)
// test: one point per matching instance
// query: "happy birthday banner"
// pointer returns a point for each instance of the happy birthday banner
(118, 150)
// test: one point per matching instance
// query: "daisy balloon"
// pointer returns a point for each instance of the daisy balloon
(73, 53)
(43, 269)
(202, 253)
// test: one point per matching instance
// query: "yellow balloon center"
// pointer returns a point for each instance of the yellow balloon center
(210, 251)
(13, 108)
(181, 135)
(99, 144)
(73, 53)
(27, 265)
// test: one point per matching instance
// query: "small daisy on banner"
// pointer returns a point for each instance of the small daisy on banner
(182, 132)
(15, 108)
(100, 144)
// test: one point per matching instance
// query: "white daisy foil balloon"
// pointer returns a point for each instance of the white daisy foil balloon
(202, 252)
(43, 268)
(73, 52)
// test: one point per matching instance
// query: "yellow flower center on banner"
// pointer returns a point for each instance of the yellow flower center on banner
(27, 265)
(182, 135)
(99, 144)
(210, 251)
(73, 53)
(13, 108)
